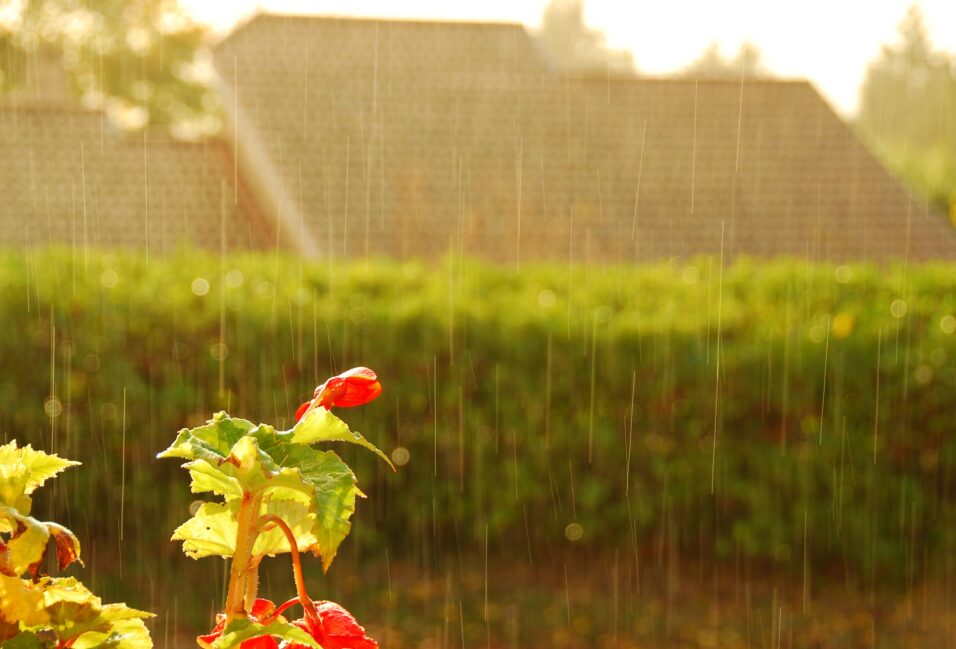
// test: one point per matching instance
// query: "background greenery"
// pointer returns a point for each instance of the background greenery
(143, 61)
(527, 402)
(906, 112)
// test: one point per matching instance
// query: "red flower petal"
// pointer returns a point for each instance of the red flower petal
(261, 609)
(262, 642)
(342, 631)
(354, 387)
(337, 629)
(359, 374)
(301, 410)
(213, 635)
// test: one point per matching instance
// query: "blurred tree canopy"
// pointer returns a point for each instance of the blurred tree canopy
(574, 46)
(143, 61)
(712, 64)
(908, 112)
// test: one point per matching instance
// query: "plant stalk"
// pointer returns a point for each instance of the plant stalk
(248, 529)
(252, 583)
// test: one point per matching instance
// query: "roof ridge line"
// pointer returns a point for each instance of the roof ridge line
(383, 19)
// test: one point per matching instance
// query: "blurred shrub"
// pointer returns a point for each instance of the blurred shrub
(526, 401)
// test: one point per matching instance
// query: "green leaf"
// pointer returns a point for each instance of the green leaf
(212, 530)
(271, 465)
(234, 463)
(206, 478)
(253, 467)
(320, 425)
(240, 630)
(24, 640)
(212, 442)
(334, 493)
(231, 481)
(301, 521)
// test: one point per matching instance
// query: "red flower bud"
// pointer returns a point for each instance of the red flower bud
(354, 387)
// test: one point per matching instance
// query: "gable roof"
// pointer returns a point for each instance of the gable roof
(410, 138)
(70, 178)
(382, 52)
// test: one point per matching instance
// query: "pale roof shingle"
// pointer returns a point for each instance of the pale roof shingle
(71, 178)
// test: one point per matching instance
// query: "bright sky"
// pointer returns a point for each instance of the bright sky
(829, 42)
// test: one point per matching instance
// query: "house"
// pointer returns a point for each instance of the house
(409, 138)
(68, 176)
(359, 137)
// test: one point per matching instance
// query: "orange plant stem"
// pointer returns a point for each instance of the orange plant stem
(304, 598)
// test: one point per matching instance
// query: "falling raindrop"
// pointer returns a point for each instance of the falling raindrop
(234, 278)
(691, 274)
(109, 278)
(200, 286)
(52, 407)
(573, 532)
(898, 308)
(947, 324)
(843, 274)
(400, 456)
(218, 351)
(546, 298)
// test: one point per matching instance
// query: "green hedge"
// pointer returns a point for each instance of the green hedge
(527, 400)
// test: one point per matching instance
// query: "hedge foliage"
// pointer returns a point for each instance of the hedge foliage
(527, 400)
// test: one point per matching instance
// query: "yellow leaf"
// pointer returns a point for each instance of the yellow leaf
(19, 602)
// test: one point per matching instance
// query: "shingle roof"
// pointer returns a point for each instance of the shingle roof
(413, 138)
(69, 177)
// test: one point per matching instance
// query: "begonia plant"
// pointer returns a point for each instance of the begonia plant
(277, 494)
(38, 611)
